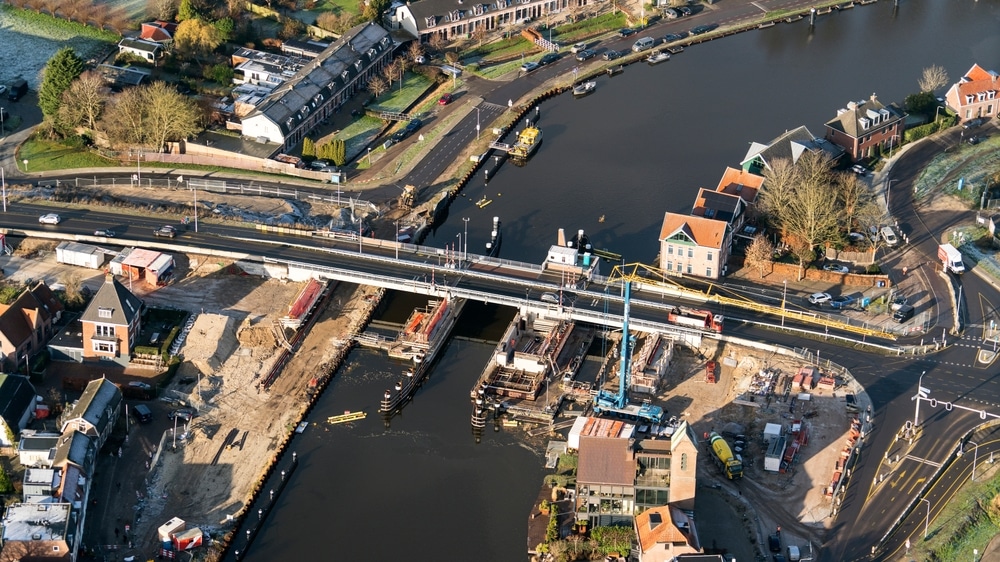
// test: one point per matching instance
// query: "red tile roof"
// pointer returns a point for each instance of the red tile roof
(740, 182)
(659, 525)
(977, 80)
(704, 232)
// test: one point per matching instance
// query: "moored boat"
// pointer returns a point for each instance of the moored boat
(527, 143)
(584, 88)
(658, 57)
(675, 49)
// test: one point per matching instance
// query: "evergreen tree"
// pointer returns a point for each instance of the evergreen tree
(339, 155)
(64, 67)
(186, 11)
(308, 148)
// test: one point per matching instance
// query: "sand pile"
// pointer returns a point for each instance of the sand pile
(261, 335)
(210, 342)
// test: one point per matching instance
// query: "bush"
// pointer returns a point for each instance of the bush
(873, 269)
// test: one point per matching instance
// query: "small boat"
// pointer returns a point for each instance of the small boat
(616, 70)
(527, 143)
(483, 202)
(675, 49)
(584, 88)
(658, 57)
(301, 427)
(347, 416)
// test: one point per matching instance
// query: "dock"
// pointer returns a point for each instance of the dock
(347, 417)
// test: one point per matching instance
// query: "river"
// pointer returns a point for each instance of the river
(641, 145)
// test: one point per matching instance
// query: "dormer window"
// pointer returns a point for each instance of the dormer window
(431, 21)
(103, 312)
(357, 65)
(865, 123)
(455, 15)
(344, 75)
(969, 98)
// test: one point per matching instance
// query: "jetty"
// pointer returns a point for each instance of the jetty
(347, 417)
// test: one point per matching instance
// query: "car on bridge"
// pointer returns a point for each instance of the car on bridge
(819, 298)
(50, 218)
(165, 231)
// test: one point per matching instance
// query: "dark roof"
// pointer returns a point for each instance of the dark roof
(303, 48)
(140, 45)
(99, 402)
(605, 460)
(863, 117)
(719, 206)
(320, 80)
(790, 146)
(113, 297)
(16, 395)
(37, 442)
(445, 12)
(78, 448)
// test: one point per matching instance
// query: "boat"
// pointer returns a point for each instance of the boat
(675, 49)
(483, 202)
(658, 57)
(584, 88)
(347, 416)
(527, 143)
(301, 427)
(616, 70)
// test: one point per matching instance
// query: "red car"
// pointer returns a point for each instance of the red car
(446, 99)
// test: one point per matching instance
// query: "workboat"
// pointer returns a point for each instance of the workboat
(584, 88)
(675, 49)
(658, 57)
(527, 143)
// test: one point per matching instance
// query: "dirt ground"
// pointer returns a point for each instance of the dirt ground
(793, 500)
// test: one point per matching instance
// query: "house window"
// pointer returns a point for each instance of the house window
(670, 249)
(104, 330)
(103, 312)
(690, 269)
(670, 265)
(684, 461)
(709, 256)
(690, 252)
(708, 272)
(680, 266)
(104, 347)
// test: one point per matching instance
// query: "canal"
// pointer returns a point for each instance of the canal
(640, 146)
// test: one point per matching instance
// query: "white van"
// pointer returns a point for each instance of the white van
(643, 44)
(889, 236)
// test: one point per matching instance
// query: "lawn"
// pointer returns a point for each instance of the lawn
(43, 155)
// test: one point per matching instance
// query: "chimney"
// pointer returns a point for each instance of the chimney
(873, 98)
(562, 237)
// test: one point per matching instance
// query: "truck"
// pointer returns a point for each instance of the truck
(731, 465)
(951, 259)
(698, 319)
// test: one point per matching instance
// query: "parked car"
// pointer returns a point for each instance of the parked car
(972, 123)
(577, 48)
(182, 414)
(549, 58)
(684, 10)
(165, 231)
(859, 170)
(3, 89)
(626, 31)
(139, 384)
(611, 54)
(107, 233)
(774, 542)
(974, 140)
(671, 14)
(445, 99)
(50, 218)
(420, 59)
(903, 313)
(529, 66)
(843, 301)
(889, 235)
(857, 237)
(413, 125)
(671, 37)
(319, 164)
(400, 135)
(703, 28)
(836, 268)
(819, 298)
(586, 54)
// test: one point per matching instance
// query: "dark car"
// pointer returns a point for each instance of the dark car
(972, 123)
(904, 313)
(413, 125)
(671, 37)
(611, 54)
(165, 231)
(703, 28)
(774, 542)
(586, 54)
(549, 58)
(684, 10)
(400, 135)
(975, 140)
(626, 31)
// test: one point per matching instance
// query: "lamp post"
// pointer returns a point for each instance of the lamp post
(921, 393)
(3, 183)
(927, 517)
(458, 249)
(138, 170)
(465, 250)
(784, 293)
(936, 113)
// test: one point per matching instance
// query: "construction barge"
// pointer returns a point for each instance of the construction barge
(422, 337)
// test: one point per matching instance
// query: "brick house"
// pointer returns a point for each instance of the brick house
(111, 323)
(451, 21)
(975, 94)
(866, 127)
(26, 324)
(94, 414)
(664, 533)
(691, 245)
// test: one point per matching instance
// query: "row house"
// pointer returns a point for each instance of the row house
(456, 19)
(867, 127)
(790, 146)
(26, 325)
(665, 533)
(296, 106)
(975, 94)
(259, 68)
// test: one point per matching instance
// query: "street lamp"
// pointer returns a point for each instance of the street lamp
(458, 249)
(784, 293)
(465, 250)
(927, 517)
(936, 113)
(138, 170)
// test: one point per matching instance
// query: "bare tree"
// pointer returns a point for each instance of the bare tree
(377, 86)
(74, 284)
(118, 19)
(161, 9)
(392, 71)
(932, 78)
(479, 33)
(169, 116)
(760, 254)
(83, 102)
(778, 189)
(415, 50)
(852, 194)
(123, 118)
(436, 41)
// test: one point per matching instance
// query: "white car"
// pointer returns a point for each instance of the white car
(577, 48)
(529, 66)
(819, 298)
(836, 268)
(50, 218)
(859, 170)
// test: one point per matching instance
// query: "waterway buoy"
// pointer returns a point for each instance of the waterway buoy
(387, 395)
(399, 386)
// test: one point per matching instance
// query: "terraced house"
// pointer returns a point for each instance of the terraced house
(975, 95)
(458, 19)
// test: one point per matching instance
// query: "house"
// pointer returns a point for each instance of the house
(121, 77)
(148, 51)
(605, 481)
(158, 31)
(865, 128)
(692, 245)
(111, 323)
(317, 90)
(259, 68)
(450, 20)
(741, 182)
(40, 485)
(37, 449)
(17, 406)
(40, 531)
(96, 412)
(666, 470)
(665, 532)
(975, 94)
(76, 448)
(725, 207)
(26, 324)
(791, 145)
(309, 48)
